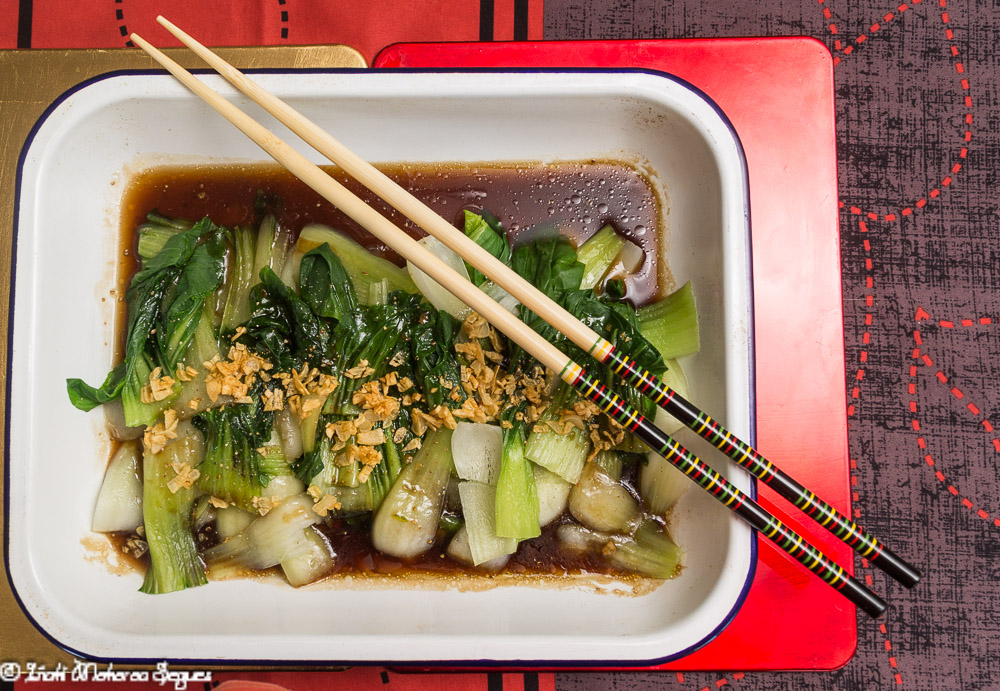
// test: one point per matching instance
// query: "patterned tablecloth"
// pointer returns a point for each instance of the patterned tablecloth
(918, 143)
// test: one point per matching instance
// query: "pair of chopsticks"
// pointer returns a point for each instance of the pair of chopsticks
(598, 347)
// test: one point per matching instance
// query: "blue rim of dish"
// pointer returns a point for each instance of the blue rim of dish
(471, 664)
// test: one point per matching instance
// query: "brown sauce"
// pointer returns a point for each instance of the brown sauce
(577, 198)
(539, 555)
(354, 554)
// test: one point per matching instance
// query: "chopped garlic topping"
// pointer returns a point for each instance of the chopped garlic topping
(273, 399)
(325, 385)
(235, 375)
(443, 414)
(343, 430)
(421, 421)
(360, 370)
(265, 504)
(135, 548)
(375, 437)
(476, 327)
(371, 398)
(159, 387)
(325, 504)
(367, 455)
(186, 476)
(160, 434)
(471, 350)
(308, 406)
(185, 373)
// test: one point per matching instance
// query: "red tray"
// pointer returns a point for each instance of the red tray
(778, 93)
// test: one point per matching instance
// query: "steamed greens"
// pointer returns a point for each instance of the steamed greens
(291, 392)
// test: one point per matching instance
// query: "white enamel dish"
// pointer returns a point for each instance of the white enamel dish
(70, 181)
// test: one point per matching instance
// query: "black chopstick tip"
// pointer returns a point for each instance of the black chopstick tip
(863, 599)
(897, 568)
(873, 605)
(877, 612)
(912, 579)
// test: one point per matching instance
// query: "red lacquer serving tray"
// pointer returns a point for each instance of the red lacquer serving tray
(778, 93)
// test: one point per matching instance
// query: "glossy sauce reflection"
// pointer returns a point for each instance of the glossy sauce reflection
(577, 199)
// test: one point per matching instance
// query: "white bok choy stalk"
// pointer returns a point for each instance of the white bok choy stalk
(562, 454)
(154, 233)
(270, 539)
(406, 523)
(363, 267)
(290, 271)
(660, 483)
(628, 261)
(597, 255)
(275, 465)
(460, 550)
(479, 508)
(194, 398)
(231, 520)
(119, 503)
(600, 502)
(308, 425)
(671, 324)
(443, 299)
(290, 433)
(501, 296)
(477, 449)
(281, 486)
(675, 378)
(241, 278)
(311, 564)
(272, 247)
(435, 293)
(649, 552)
(553, 494)
(114, 415)
(167, 502)
(516, 507)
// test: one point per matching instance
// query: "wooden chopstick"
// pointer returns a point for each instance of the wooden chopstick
(600, 348)
(543, 351)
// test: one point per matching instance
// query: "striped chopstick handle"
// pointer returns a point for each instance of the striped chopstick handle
(723, 490)
(745, 455)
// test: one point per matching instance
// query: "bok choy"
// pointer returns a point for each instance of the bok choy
(407, 521)
(291, 394)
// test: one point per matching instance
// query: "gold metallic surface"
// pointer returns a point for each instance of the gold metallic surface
(29, 81)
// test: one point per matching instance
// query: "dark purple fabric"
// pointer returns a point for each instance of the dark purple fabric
(918, 183)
